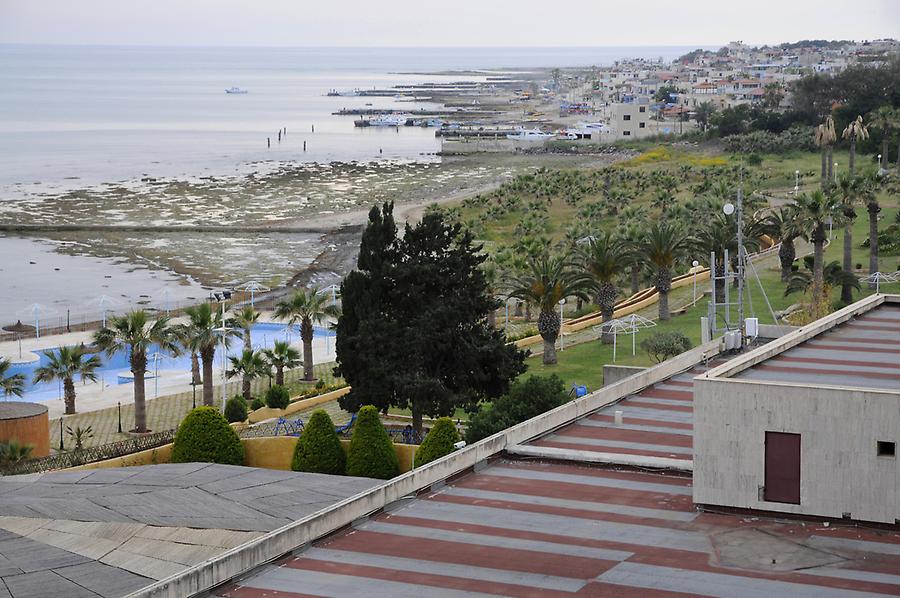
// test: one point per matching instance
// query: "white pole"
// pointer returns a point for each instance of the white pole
(224, 359)
(561, 324)
(615, 335)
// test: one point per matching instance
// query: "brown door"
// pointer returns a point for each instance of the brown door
(782, 482)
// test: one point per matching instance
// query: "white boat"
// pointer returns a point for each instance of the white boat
(529, 135)
(237, 90)
(388, 120)
(597, 126)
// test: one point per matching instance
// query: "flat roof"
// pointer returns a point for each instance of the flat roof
(108, 532)
(863, 352)
(528, 528)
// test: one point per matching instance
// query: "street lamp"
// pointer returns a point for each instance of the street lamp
(796, 182)
(561, 303)
(695, 263)
(835, 172)
(880, 168)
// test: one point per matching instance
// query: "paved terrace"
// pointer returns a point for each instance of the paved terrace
(539, 529)
(861, 353)
(108, 532)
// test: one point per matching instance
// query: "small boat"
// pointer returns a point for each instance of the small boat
(386, 120)
(529, 135)
(236, 90)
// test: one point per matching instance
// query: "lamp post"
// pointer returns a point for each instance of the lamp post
(796, 182)
(561, 303)
(835, 172)
(880, 167)
(695, 263)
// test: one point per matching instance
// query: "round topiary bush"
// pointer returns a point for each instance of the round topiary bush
(205, 437)
(278, 397)
(257, 403)
(371, 450)
(236, 409)
(319, 449)
(438, 442)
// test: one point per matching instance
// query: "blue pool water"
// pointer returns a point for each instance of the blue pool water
(262, 336)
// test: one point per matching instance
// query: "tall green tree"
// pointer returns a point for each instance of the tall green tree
(548, 279)
(249, 365)
(847, 193)
(282, 356)
(606, 257)
(887, 120)
(783, 225)
(137, 335)
(67, 363)
(825, 138)
(307, 307)
(11, 384)
(202, 334)
(413, 331)
(664, 245)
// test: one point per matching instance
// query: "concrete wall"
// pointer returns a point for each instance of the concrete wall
(615, 373)
(839, 470)
(243, 558)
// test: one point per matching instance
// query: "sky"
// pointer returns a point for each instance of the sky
(447, 23)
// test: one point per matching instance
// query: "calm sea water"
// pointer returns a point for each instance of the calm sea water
(83, 115)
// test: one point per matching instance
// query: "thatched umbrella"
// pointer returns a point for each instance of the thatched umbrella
(20, 330)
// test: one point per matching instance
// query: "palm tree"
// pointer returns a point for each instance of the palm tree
(202, 334)
(249, 365)
(65, 364)
(547, 280)
(10, 384)
(813, 211)
(832, 276)
(282, 356)
(135, 334)
(869, 196)
(245, 319)
(664, 244)
(825, 137)
(855, 131)
(846, 193)
(783, 226)
(605, 258)
(306, 307)
(887, 119)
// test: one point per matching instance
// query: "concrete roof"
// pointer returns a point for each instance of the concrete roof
(107, 532)
(542, 529)
(862, 352)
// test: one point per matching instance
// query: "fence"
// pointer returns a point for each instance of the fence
(102, 452)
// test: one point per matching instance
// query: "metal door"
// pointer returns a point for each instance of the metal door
(782, 483)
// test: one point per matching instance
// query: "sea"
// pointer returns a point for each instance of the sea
(76, 116)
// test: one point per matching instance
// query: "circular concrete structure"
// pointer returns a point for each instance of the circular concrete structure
(26, 423)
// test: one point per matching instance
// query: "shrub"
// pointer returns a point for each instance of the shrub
(257, 403)
(438, 442)
(278, 397)
(236, 409)
(205, 437)
(525, 400)
(663, 345)
(13, 452)
(319, 449)
(371, 450)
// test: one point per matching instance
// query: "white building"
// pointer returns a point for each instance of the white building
(808, 424)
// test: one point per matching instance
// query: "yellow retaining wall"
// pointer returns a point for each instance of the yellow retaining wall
(264, 413)
(627, 307)
(274, 452)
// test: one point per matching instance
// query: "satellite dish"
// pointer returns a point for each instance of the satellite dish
(728, 209)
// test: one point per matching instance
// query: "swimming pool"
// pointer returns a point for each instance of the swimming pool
(115, 369)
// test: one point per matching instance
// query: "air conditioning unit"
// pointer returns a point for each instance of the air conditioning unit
(752, 327)
(732, 340)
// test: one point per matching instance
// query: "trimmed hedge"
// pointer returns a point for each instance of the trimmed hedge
(438, 442)
(371, 449)
(205, 437)
(235, 410)
(257, 403)
(278, 397)
(525, 400)
(319, 449)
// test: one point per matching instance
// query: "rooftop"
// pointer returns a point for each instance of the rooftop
(542, 529)
(106, 532)
(862, 352)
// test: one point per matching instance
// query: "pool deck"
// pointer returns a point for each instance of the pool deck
(92, 396)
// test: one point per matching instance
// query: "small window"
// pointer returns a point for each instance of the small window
(626, 133)
(642, 125)
(642, 109)
(887, 449)
(626, 117)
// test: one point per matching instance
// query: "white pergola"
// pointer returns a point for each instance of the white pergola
(104, 304)
(630, 324)
(36, 311)
(877, 278)
(253, 287)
